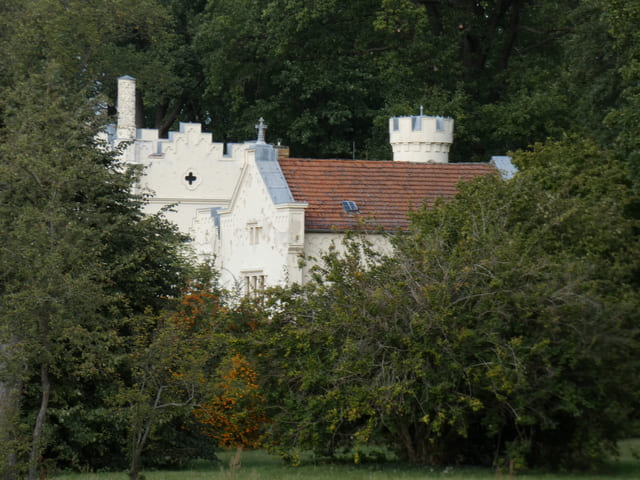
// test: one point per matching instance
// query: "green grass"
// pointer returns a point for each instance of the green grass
(261, 466)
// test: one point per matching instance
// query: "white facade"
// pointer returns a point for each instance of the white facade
(236, 210)
(235, 202)
(317, 243)
(262, 231)
(186, 172)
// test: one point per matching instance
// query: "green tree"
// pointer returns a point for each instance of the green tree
(58, 59)
(327, 76)
(67, 212)
(502, 329)
(50, 261)
(183, 370)
(330, 74)
(511, 72)
(166, 363)
(98, 41)
(620, 18)
(304, 67)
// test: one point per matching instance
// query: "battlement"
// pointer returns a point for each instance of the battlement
(187, 170)
(147, 141)
(421, 138)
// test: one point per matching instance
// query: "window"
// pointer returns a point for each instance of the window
(254, 283)
(349, 206)
(396, 124)
(439, 124)
(416, 123)
(254, 233)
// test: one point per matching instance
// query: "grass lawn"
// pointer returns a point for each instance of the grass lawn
(260, 466)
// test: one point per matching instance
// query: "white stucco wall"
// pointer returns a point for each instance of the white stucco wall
(317, 244)
(186, 171)
(257, 236)
(168, 166)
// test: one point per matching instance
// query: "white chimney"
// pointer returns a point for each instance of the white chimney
(421, 139)
(126, 128)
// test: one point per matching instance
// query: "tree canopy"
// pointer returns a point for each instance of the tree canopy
(501, 331)
(77, 255)
(327, 75)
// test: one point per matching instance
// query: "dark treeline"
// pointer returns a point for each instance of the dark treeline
(328, 74)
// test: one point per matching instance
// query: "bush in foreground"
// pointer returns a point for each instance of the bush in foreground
(502, 331)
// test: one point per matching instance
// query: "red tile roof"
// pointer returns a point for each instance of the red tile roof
(384, 191)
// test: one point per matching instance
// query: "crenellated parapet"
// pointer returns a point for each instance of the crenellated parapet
(187, 170)
(186, 141)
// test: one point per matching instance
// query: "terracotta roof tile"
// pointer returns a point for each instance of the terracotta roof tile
(384, 191)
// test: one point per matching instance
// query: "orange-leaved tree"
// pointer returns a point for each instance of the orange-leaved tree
(185, 360)
(235, 414)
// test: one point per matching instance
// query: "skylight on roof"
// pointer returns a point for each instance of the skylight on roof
(349, 206)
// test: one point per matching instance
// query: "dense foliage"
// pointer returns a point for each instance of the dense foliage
(503, 329)
(68, 266)
(183, 372)
(327, 75)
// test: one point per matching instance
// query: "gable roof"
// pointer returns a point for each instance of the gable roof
(384, 191)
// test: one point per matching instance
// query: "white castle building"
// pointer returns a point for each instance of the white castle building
(256, 210)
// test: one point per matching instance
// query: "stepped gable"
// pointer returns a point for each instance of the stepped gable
(383, 191)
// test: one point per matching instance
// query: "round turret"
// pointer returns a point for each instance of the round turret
(421, 138)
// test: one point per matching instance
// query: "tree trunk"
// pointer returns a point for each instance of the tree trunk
(512, 35)
(36, 446)
(134, 467)
(9, 408)
(138, 443)
(407, 441)
(169, 117)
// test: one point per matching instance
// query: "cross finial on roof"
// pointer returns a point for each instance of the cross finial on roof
(261, 126)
